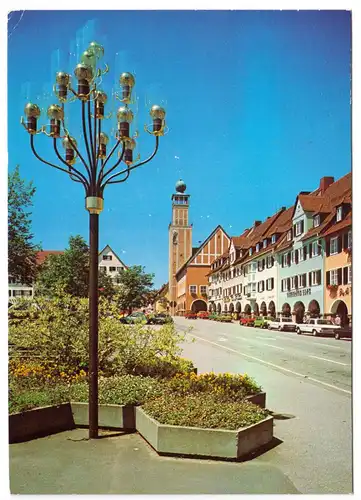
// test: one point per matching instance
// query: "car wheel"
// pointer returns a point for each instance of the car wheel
(337, 336)
(269, 327)
(314, 333)
(298, 331)
(280, 328)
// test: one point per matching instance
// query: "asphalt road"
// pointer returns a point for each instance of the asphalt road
(308, 384)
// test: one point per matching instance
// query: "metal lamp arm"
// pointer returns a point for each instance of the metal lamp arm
(109, 181)
(75, 148)
(102, 175)
(75, 173)
(118, 181)
(63, 161)
(86, 135)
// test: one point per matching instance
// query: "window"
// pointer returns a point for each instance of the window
(333, 277)
(107, 257)
(299, 228)
(349, 239)
(302, 281)
(315, 248)
(293, 282)
(112, 269)
(9, 293)
(312, 321)
(193, 289)
(284, 260)
(289, 235)
(300, 255)
(334, 246)
(273, 240)
(316, 221)
(257, 247)
(250, 251)
(253, 287)
(269, 285)
(339, 214)
(269, 261)
(293, 256)
(315, 278)
(203, 289)
(119, 268)
(349, 276)
(265, 243)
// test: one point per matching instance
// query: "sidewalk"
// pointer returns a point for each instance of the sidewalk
(67, 463)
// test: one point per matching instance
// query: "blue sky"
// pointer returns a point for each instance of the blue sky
(258, 107)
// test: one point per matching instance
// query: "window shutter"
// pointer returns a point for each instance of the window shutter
(302, 226)
(345, 241)
(296, 256)
(310, 250)
(263, 285)
(305, 252)
(296, 281)
(327, 247)
(318, 277)
(272, 261)
(263, 264)
(289, 258)
(310, 279)
(339, 276)
(288, 283)
(339, 243)
(328, 278)
(272, 283)
(345, 275)
(294, 230)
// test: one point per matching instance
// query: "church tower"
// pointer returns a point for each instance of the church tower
(180, 238)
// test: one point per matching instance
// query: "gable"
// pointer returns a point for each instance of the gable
(298, 210)
(114, 261)
(214, 246)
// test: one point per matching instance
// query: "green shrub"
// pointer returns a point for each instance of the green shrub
(163, 367)
(193, 411)
(56, 330)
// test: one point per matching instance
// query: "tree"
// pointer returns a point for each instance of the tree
(21, 249)
(69, 273)
(134, 289)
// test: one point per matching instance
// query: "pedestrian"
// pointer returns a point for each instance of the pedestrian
(338, 320)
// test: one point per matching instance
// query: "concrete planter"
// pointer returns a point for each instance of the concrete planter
(40, 422)
(257, 399)
(110, 416)
(215, 443)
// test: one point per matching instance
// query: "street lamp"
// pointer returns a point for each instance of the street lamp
(94, 177)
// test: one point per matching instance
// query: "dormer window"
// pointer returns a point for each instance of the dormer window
(316, 221)
(273, 240)
(250, 251)
(265, 243)
(339, 214)
(289, 235)
(257, 247)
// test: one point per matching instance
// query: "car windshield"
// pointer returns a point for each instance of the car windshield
(324, 322)
(286, 320)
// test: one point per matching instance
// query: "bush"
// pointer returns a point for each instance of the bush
(224, 387)
(165, 367)
(193, 411)
(56, 331)
(122, 390)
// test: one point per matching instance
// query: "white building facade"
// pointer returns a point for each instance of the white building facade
(110, 263)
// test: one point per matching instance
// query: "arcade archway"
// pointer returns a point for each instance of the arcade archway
(199, 305)
(299, 311)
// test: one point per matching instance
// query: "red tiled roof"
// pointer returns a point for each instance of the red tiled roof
(346, 222)
(44, 254)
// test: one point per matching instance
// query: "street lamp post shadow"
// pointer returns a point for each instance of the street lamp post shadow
(94, 176)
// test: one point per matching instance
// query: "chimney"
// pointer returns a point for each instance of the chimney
(257, 223)
(325, 182)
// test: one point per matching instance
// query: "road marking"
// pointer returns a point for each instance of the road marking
(275, 347)
(266, 338)
(273, 365)
(328, 345)
(330, 360)
(222, 339)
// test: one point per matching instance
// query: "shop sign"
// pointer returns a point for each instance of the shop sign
(299, 293)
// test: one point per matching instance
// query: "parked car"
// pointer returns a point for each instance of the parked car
(282, 324)
(203, 314)
(190, 315)
(135, 317)
(262, 321)
(318, 326)
(344, 332)
(247, 321)
(159, 319)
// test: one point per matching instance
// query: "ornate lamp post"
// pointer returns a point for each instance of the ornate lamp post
(93, 174)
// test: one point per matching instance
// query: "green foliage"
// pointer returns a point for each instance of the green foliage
(224, 386)
(121, 390)
(165, 367)
(56, 330)
(206, 412)
(21, 249)
(135, 287)
(69, 273)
